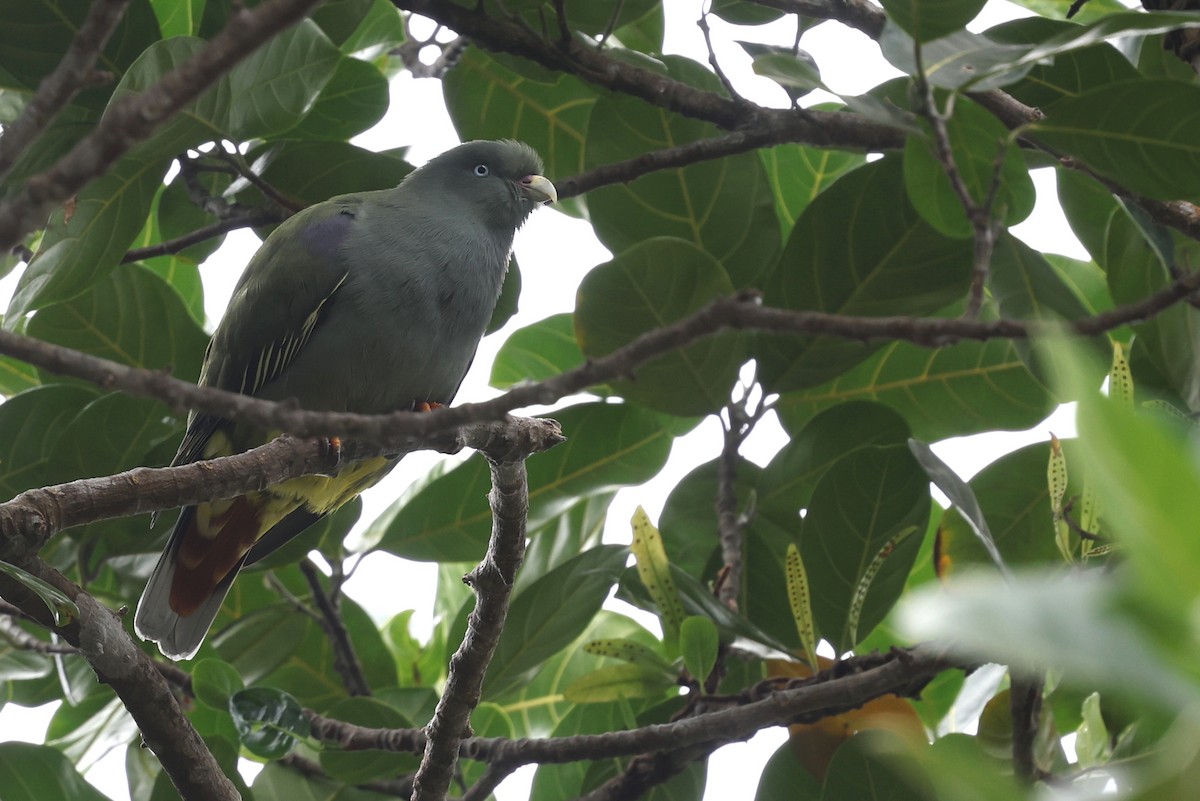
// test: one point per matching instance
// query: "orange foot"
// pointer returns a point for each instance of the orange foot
(426, 406)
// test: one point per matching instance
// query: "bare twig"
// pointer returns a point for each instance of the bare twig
(135, 117)
(245, 218)
(345, 658)
(492, 582)
(702, 23)
(738, 421)
(73, 73)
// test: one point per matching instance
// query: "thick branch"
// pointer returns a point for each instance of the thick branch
(857, 681)
(135, 117)
(492, 582)
(126, 668)
(72, 74)
(28, 520)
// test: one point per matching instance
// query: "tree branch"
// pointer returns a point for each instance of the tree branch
(72, 74)
(492, 582)
(851, 684)
(31, 518)
(401, 431)
(135, 117)
(249, 218)
(345, 658)
(125, 667)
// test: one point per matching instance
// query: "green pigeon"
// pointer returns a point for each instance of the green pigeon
(367, 303)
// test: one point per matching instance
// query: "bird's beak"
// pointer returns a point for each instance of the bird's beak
(539, 189)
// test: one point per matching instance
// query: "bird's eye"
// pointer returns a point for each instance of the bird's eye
(481, 170)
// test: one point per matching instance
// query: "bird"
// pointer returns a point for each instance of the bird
(369, 303)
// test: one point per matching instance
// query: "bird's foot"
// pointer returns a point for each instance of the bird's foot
(426, 406)
(333, 447)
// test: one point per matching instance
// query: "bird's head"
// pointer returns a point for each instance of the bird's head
(500, 180)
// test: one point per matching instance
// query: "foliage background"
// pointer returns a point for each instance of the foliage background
(815, 230)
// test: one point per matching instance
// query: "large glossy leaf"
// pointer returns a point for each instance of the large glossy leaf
(788, 480)
(178, 17)
(1136, 132)
(942, 392)
(31, 772)
(37, 33)
(798, 174)
(931, 19)
(549, 614)
(1026, 287)
(30, 424)
(785, 776)
(867, 768)
(356, 767)
(649, 286)
(611, 445)
(977, 139)
(1069, 74)
(487, 100)
(310, 172)
(1132, 255)
(84, 242)
(1015, 502)
(110, 434)
(688, 522)
(725, 206)
(354, 99)
(859, 506)
(538, 705)
(131, 316)
(537, 351)
(859, 248)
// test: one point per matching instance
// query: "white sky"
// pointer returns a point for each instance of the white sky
(554, 252)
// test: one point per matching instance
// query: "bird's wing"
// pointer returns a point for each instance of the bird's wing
(275, 307)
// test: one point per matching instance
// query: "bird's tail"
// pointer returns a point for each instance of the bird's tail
(184, 593)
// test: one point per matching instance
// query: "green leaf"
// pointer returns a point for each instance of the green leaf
(649, 286)
(269, 722)
(355, 98)
(537, 351)
(448, 519)
(977, 140)
(798, 174)
(178, 17)
(310, 172)
(31, 772)
(926, 20)
(17, 376)
(340, 18)
(858, 249)
(698, 644)
(1013, 502)
(859, 505)
(1134, 132)
(550, 614)
(654, 570)
(960, 60)
(951, 391)
(83, 246)
(358, 767)
(786, 777)
(800, 601)
(214, 682)
(866, 768)
(618, 683)
(688, 521)
(381, 30)
(486, 100)
(1070, 73)
(130, 316)
(61, 607)
(30, 424)
(630, 651)
(788, 481)
(278, 783)
(724, 206)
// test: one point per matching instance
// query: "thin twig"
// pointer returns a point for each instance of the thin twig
(345, 658)
(249, 218)
(702, 23)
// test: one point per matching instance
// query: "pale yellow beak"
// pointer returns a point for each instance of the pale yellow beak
(539, 189)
